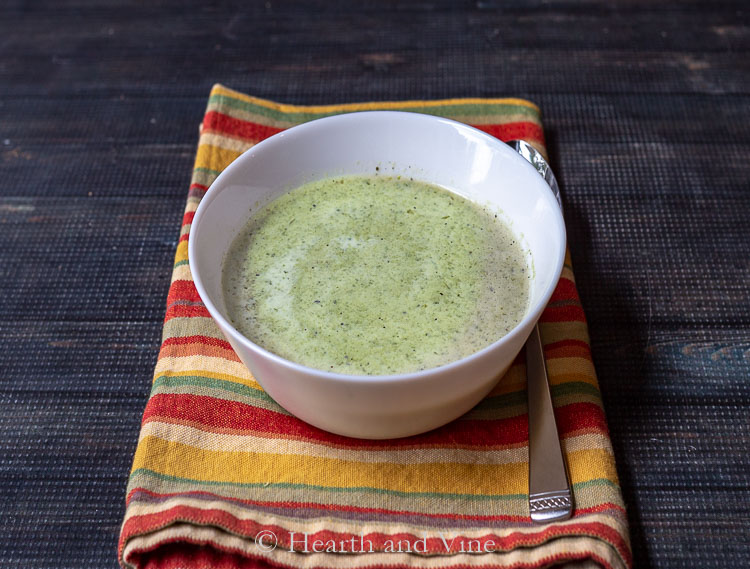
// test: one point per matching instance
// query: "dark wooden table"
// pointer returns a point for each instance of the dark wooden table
(646, 112)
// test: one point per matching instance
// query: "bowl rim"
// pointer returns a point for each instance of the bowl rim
(531, 317)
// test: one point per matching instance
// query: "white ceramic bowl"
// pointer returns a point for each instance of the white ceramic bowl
(435, 150)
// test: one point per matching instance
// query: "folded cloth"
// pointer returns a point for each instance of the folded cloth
(224, 477)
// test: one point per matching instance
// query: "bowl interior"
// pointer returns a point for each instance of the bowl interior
(434, 150)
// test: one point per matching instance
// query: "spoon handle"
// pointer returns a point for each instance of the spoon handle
(550, 497)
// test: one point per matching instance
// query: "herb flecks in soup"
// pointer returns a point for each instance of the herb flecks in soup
(374, 275)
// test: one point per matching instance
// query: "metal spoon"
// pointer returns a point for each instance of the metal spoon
(550, 497)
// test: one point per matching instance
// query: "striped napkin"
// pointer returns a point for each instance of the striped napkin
(224, 477)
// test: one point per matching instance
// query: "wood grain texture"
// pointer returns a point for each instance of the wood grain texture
(645, 110)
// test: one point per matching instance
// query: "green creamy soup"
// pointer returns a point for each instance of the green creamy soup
(374, 275)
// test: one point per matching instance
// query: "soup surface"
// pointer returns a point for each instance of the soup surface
(374, 275)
